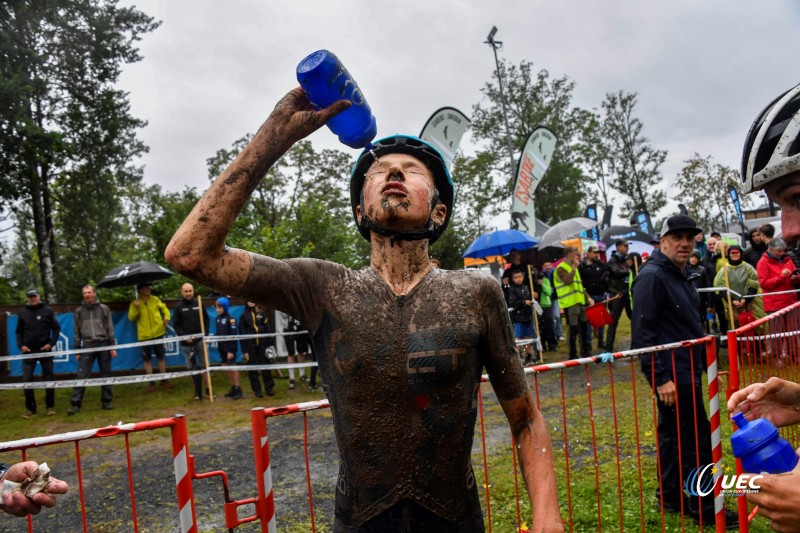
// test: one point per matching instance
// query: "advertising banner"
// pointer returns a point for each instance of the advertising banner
(444, 131)
(533, 163)
(125, 331)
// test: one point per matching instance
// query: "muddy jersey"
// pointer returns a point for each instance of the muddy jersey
(402, 374)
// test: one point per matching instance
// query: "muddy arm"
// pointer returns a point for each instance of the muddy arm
(536, 461)
(197, 250)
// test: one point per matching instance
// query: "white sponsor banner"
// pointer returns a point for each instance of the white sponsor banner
(533, 163)
(444, 131)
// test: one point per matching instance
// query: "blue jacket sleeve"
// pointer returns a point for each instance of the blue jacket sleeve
(649, 294)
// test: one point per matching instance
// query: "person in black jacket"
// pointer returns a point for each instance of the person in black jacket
(617, 290)
(520, 304)
(667, 310)
(756, 249)
(226, 326)
(696, 274)
(37, 332)
(254, 321)
(186, 321)
(594, 275)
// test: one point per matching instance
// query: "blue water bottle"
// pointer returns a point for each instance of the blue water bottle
(760, 448)
(325, 81)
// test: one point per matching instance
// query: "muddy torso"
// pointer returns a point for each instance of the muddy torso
(402, 376)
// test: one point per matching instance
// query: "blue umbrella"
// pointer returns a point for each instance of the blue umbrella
(500, 242)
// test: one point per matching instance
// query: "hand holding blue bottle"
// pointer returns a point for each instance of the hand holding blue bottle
(294, 118)
(777, 400)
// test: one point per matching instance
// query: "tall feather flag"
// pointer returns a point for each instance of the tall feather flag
(444, 131)
(533, 163)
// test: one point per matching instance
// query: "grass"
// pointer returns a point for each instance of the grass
(133, 403)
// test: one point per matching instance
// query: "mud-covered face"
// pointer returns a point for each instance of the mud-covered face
(397, 194)
(786, 193)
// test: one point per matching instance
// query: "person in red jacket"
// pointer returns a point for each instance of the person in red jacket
(777, 273)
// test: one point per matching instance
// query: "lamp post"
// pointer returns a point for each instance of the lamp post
(496, 45)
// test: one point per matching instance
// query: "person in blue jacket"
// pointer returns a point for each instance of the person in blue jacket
(226, 325)
(666, 309)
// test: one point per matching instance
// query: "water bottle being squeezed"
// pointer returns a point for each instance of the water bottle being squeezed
(325, 81)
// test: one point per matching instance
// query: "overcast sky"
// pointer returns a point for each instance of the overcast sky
(214, 70)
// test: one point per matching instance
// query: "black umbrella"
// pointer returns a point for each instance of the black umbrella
(609, 235)
(134, 274)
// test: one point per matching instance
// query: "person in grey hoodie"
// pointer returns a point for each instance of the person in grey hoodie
(93, 328)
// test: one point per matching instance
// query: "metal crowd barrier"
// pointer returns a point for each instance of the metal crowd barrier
(756, 352)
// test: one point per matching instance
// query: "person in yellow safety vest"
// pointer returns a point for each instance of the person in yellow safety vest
(572, 298)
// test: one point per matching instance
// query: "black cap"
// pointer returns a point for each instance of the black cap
(32, 292)
(620, 242)
(680, 223)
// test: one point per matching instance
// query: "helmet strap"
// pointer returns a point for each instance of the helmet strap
(419, 235)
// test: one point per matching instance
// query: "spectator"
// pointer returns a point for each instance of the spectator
(742, 278)
(518, 263)
(777, 273)
(189, 319)
(16, 503)
(151, 317)
(520, 304)
(771, 161)
(555, 310)
(756, 249)
(549, 339)
(298, 346)
(715, 299)
(696, 275)
(226, 327)
(767, 233)
(618, 276)
(656, 242)
(505, 283)
(717, 235)
(573, 299)
(37, 332)
(667, 310)
(93, 328)
(700, 245)
(778, 497)
(402, 345)
(594, 274)
(255, 322)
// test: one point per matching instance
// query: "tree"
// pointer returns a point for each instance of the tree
(703, 188)
(300, 208)
(533, 99)
(594, 154)
(636, 164)
(66, 133)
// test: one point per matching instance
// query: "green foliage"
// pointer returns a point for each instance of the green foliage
(67, 138)
(703, 188)
(533, 98)
(301, 207)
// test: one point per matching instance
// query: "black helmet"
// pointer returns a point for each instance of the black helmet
(772, 146)
(430, 156)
